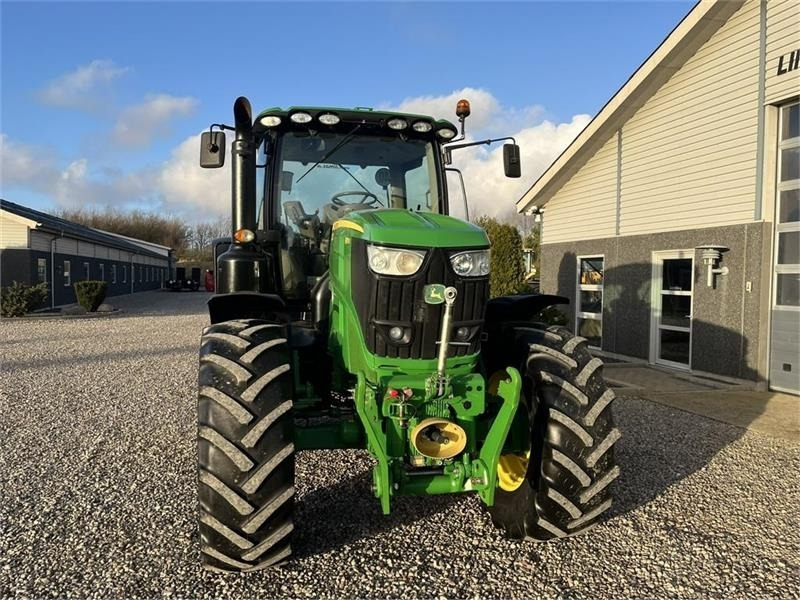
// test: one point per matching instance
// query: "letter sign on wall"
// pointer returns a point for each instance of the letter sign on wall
(789, 62)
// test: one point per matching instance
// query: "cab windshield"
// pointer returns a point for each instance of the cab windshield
(321, 178)
(352, 169)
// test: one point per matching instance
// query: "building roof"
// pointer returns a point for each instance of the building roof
(55, 225)
(692, 32)
(157, 248)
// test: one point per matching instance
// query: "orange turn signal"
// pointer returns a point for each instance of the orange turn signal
(243, 236)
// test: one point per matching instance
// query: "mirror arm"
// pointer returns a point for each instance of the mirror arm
(450, 148)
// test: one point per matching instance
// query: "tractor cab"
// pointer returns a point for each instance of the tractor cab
(296, 172)
(325, 177)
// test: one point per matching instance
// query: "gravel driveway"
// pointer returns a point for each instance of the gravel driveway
(97, 481)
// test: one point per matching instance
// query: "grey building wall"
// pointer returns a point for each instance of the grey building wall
(728, 334)
(21, 265)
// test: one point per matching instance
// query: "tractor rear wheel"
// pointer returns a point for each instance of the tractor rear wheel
(245, 447)
(559, 485)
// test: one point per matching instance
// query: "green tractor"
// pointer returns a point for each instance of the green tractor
(352, 312)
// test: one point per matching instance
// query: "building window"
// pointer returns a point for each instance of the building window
(787, 223)
(140, 274)
(86, 271)
(102, 272)
(124, 274)
(113, 273)
(589, 302)
(67, 274)
(41, 270)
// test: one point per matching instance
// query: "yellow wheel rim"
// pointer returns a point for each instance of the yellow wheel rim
(511, 470)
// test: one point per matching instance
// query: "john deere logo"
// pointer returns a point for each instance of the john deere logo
(434, 293)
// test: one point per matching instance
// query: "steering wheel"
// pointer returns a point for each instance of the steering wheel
(366, 198)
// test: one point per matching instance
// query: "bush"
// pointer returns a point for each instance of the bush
(19, 298)
(90, 294)
(507, 274)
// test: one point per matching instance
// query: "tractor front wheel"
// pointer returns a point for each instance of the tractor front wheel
(245, 446)
(558, 485)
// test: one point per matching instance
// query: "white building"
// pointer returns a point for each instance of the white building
(700, 147)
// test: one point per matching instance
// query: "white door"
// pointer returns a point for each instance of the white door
(671, 317)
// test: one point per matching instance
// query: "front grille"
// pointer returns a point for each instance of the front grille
(382, 302)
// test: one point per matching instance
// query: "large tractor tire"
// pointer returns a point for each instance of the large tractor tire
(560, 485)
(245, 446)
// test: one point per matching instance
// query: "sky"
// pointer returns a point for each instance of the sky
(102, 103)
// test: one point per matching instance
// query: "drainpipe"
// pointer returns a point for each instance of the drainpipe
(53, 270)
(132, 273)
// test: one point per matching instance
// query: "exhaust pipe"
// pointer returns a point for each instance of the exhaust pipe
(243, 180)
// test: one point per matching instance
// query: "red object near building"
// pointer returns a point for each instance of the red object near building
(209, 280)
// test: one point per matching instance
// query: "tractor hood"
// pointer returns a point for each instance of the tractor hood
(398, 227)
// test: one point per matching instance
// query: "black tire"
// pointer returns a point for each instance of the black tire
(565, 489)
(245, 449)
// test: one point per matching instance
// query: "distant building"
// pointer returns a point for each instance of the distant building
(699, 148)
(36, 247)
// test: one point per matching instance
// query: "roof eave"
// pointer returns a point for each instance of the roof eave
(20, 219)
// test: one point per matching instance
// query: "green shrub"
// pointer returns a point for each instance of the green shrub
(20, 298)
(90, 294)
(507, 274)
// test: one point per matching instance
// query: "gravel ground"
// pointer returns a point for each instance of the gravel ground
(97, 480)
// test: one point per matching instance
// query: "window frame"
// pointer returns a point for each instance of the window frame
(41, 273)
(789, 226)
(67, 273)
(589, 287)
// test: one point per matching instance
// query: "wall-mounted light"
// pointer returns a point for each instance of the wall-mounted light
(711, 254)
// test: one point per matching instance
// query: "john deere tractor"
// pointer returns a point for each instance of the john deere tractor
(352, 312)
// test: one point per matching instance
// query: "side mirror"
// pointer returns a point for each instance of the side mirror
(286, 181)
(382, 177)
(511, 160)
(212, 149)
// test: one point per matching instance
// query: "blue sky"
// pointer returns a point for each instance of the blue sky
(102, 102)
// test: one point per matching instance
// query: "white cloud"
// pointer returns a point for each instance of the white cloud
(84, 88)
(74, 186)
(186, 188)
(489, 191)
(483, 105)
(138, 125)
(180, 187)
(21, 164)
(177, 187)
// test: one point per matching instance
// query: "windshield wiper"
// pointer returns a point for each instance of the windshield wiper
(327, 155)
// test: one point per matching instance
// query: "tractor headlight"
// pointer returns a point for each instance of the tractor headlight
(473, 263)
(394, 261)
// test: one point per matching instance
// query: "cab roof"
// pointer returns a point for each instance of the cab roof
(348, 117)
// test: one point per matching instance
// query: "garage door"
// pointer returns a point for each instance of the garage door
(784, 368)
